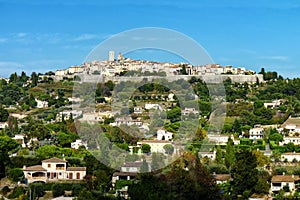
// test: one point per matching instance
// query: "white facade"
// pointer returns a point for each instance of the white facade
(290, 157)
(20, 138)
(41, 104)
(60, 72)
(256, 133)
(273, 104)
(210, 155)
(164, 135)
(279, 181)
(286, 140)
(188, 111)
(111, 56)
(78, 143)
(53, 169)
(157, 146)
(138, 110)
(75, 69)
(126, 121)
(292, 128)
(67, 114)
(150, 106)
(3, 125)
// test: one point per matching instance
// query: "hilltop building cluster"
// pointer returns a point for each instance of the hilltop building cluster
(115, 67)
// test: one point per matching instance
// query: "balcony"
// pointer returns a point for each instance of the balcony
(60, 168)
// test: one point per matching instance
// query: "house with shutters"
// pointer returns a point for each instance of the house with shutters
(53, 169)
(280, 181)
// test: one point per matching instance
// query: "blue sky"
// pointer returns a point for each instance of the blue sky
(41, 36)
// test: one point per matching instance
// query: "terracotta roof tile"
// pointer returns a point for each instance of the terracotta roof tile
(76, 169)
(284, 178)
(222, 177)
(35, 168)
(55, 160)
(133, 164)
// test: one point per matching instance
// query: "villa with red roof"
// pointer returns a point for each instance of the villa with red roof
(53, 169)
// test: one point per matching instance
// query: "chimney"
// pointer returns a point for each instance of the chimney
(24, 167)
(283, 173)
(293, 176)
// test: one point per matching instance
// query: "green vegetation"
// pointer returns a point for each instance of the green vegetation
(189, 177)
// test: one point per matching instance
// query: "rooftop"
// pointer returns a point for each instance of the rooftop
(133, 164)
(76, 169)
(35, 168)
(55, 160)
(284, 178)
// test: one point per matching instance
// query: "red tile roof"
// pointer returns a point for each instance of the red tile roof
(55, 160)
(35, 168)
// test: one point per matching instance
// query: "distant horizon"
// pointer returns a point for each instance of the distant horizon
(64, 68)
(47, 35)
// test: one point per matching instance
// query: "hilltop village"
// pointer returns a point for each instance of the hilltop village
(80, 133)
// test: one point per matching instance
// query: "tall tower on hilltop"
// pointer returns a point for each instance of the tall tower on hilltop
(111, 56)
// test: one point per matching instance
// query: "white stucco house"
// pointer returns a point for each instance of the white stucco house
(286, 140)
(78, 143)
(187, 111)
(209, 154)
(41, 104)
(290, 157)
(164, 135)
(53, 169)
(256, 133)
(279, 181)
(21, 139)
(150, 106)
(221, 178)
(157, 146)
(3, 125)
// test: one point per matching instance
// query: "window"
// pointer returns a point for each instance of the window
(49, 165)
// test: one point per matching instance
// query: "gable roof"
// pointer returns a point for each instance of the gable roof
(76, 169)
(35, 168)
(55, 160)
(133, 164)
(222, 177)
(284, 178)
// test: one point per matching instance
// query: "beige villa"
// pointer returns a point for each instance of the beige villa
(53, 169)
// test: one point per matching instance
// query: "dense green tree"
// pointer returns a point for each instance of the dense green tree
(277, 137)
(146, 148)
(219, 157)
(245, 174)
(230, 154)
(76, 188)
(157, 161)
(7, 145)
(57, 190)
(185, 179)
(174, 114)
(34, 79)
(169, 149)
(236, 127)
(15, 174)
(37, 189)
(3, 114)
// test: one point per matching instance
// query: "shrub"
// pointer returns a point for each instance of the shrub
(15, 174)
(18, 191)
(76, 189)
(57, 190)
(37, 189)
(5, 190)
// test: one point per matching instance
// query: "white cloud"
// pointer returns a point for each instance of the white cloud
(85, 37)
(3, 40)
(278, 58)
